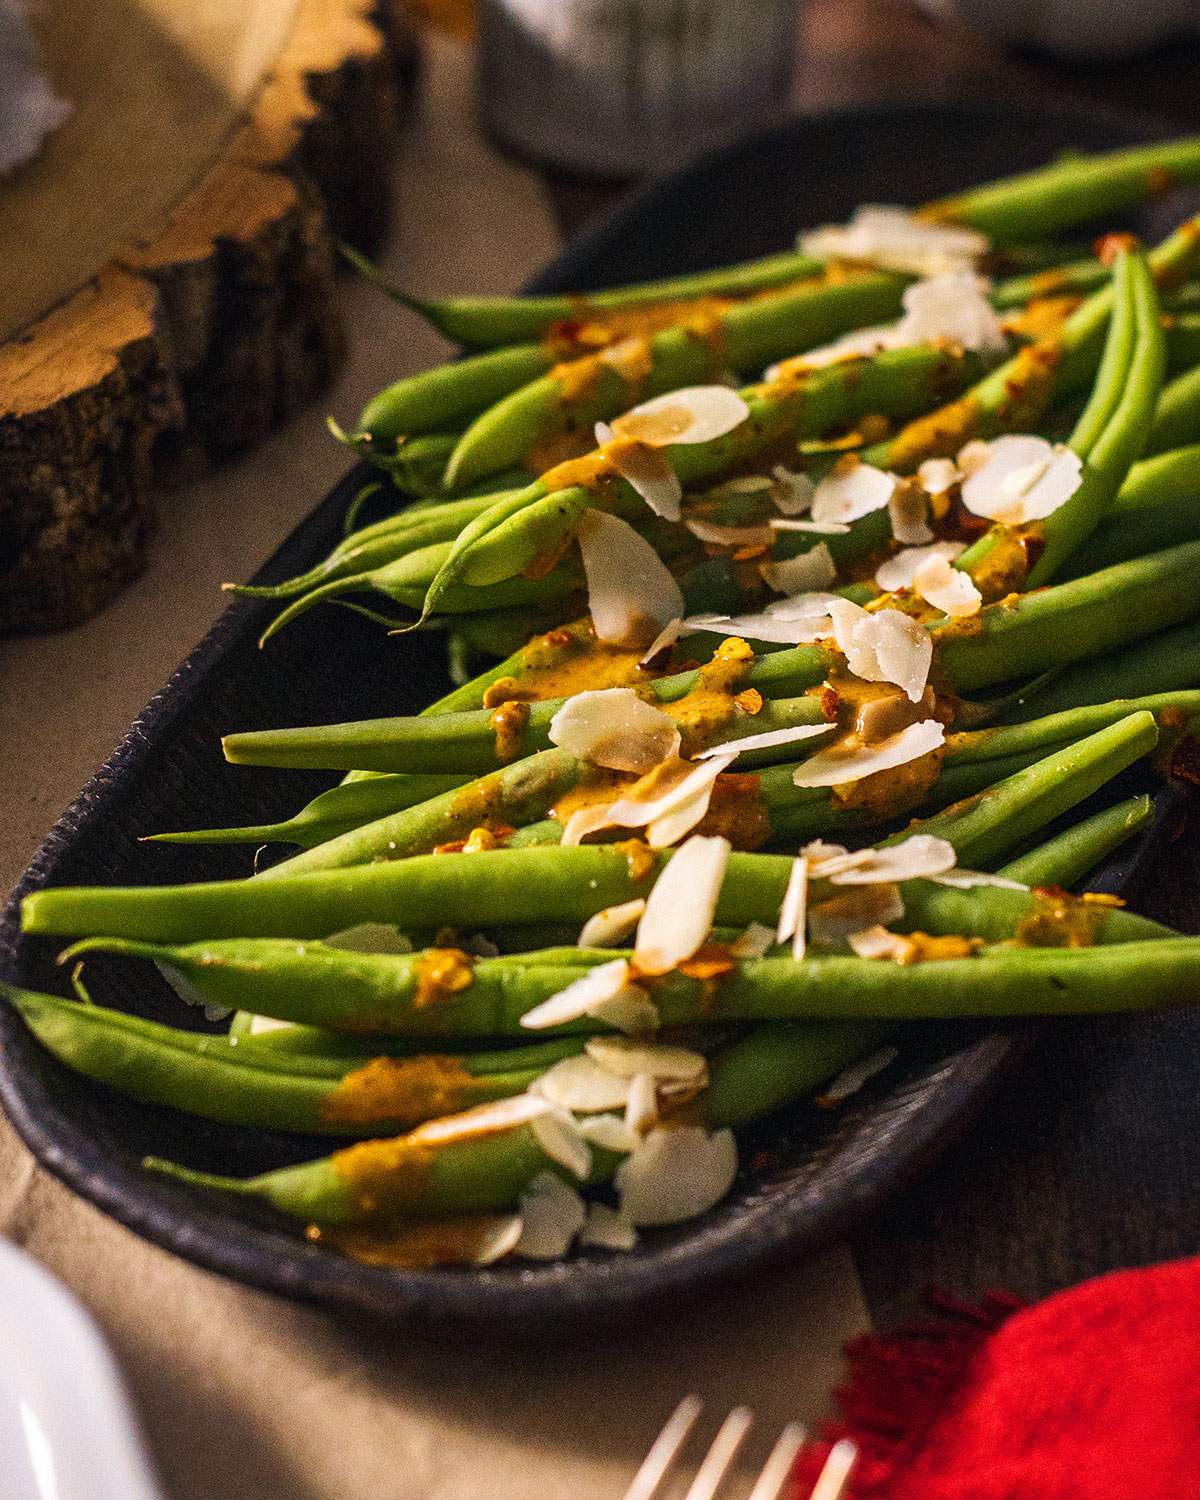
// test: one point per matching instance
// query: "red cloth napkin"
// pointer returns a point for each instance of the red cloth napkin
(1093, 1394)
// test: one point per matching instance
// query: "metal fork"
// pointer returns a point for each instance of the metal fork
(659, 1462)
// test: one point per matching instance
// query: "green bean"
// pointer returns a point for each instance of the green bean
(1042, 202)
(1015, 396)
(1072, 854)
(513, 886)
(1182, 337)
(1070, 621)
(1177, 418)
(1163, 663)
(1156, 508)
(490, 1171)
(449, 394)
(1067, 725)
(488, 322)
(329, 814)
(244, 1085)
(1077, 276)
(382, 542)
(743, 338)
(461, 742)
(504, 541)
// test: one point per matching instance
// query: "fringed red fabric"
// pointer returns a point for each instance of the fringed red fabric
(1093, 1394)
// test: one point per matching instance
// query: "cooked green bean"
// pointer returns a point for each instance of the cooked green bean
(1177, 417)
(244, 1085)
(1071, 855)
(1042, 202)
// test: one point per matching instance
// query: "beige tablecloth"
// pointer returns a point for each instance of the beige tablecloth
(243, 1394)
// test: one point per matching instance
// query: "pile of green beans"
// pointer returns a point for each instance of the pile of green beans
(380, 975)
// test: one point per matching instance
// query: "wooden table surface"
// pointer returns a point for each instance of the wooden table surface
(863, 51)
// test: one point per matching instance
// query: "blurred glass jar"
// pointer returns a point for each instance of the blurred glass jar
(617, 87)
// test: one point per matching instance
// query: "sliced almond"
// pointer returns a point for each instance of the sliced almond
(908, 513)
(606, 1229)
(631, 593)
(947, 588)
(851, 491)
(577, 1000)
(884, 646)
(878, 943)
(801, 574)
(693, 414)
(681, 906)
(897, 240)
(641, 1108)
(558, 1135)
(609, 928)
(615, 728)
(552, 1214)
(676, 1173)
(937, 475)
(768, 740)
(848, 1082)
(898, 571)
(793, 911)
(628, 1058)
(917, 857)
(643, 466)
(1022, 479)
(582, 1086)
(608, 1132)
(837, 767)
(832, 923)
(729, 536)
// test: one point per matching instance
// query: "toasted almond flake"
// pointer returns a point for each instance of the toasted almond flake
(644, 467)
(190, 995)
(741, 484)
(641, 1109)
(823, 857)
(809, 570)
(851, 492)
(552, 1214)
(607, 1131)
(767, 740)
(886, 646)
(832, 923)
(606, 1229)
(675, 1173)
(878, 719)
(260, 1025)
(972, 456)
(1022, 478)
(610, 927)
(370, 937)
(965, 880)
(908, 509)
(753, 943)
(953, 307)
(914, 858)
(500, 1238)
(878, 943)
(792, 493)
(694, 414)
(937, 475)
(666, 817)
(630, 1010)
(484, 1119)
(729, 536)
(899, 570)
(581, 1085)
(603, 434)
(947, 588)
(837, 767)
(576, 1001)
(849, 1082)
(631, 593)
(681, 906)
(897, 240)
(558, 1135)
(768, 626)
(813, 605)
(669, 827)
(861, 344)
(815, 528)
(625, 1057)
(665, 638)
(613, 727)
(793, 911)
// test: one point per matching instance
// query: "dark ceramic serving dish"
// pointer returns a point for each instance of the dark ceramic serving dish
(814, 1174)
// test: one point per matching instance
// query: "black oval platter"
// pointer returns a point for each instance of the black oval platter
(814, 1173)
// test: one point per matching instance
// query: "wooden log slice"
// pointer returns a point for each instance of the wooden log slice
(211, 322)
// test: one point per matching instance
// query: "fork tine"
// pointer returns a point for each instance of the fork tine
(664, 1450)
(831, 1482)
(778, 1466)
(729, 1439)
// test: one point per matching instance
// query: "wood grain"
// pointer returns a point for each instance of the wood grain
(209, 177)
